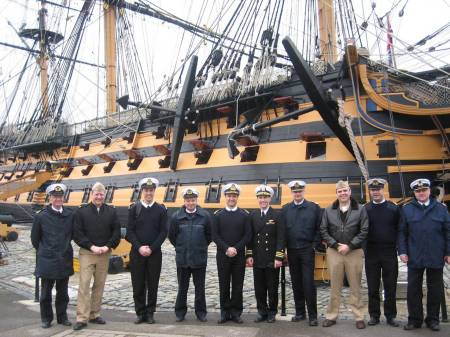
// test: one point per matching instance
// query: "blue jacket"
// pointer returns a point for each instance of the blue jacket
(424, 234)
(302, 224)
(51, 235)
(190, 234)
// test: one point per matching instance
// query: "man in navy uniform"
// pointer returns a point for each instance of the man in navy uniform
(146, 231)
(51, 235)
(190, 234)
(302, 234)
(231, 231)
(381, 252)
(424, 244)
(265, 253)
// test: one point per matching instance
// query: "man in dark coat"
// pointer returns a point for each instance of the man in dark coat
(190, 234)
(231, 232)
(302, 234)
(265, 253)
(381, 253)
(424, 244)
(51, 235)
(97, 232)
(146, 231)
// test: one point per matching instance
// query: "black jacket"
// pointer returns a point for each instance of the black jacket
(148, 228)
(231, 229)
(352, 231)
(51, 235)
(268, 241)
(96, 228)
(302, 224)
(190, 234)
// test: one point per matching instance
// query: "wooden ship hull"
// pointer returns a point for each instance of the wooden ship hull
(294, 129)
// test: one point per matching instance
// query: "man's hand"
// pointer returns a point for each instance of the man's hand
(145, 250)
(277, 264)
(343, 248)
(96, 250)
(404, 258)
(447, 259)
(104, 249)
(249, 262)
(231, 252)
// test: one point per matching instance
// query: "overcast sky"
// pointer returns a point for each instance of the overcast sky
(159, 43)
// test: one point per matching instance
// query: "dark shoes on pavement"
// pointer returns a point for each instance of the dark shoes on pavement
(179, 318)
(392, 322)
(97, 320)
(313, 322)
(141, 319)
(360, 325)
(65, 322)
(202, 318)
(373, 321)
(79, 325)
(46, 325)
(271, 319)
(412, 326)
(298, 318)
(328, 322)
(260, 318)
(433, 326)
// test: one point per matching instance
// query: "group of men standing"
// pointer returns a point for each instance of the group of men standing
(261, 239)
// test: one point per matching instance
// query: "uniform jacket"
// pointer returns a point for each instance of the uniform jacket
(268, 238)
(352, 231)
(227, 235)
(147, 228)
(190, 234)
(51, 235)
(96, 228)
(424, 234)
(302, 224)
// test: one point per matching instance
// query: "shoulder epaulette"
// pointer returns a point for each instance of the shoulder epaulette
(40, 211)
(163, 206)
(82, 205)
(131, 205)
(217, 211)
(245, 210)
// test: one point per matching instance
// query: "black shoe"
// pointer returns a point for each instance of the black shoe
(151, 319)
(298, 318)
(223, 319)
(313, 322)
(97, 320)
(411, 326)
(260, 318)
(271, 319)
(392, 322)
(65, 322)
(373, 321)
(179, 319)
(328, 322)
(46, 325)
(79, 325)
(433, 326)
(141, 319)
(237, 319)
(202, 318)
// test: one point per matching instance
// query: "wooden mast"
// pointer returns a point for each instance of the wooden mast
(43, 58)
(327, 31)
(110, 56)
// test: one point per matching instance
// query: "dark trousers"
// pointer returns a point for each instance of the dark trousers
(184, 276)
(61, 301)
(231, 269)
(301, 267)
(266, 288)
(381, 263)
(145, 272)
(414, 296)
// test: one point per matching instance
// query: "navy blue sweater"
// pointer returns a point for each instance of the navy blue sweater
(383, 224)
